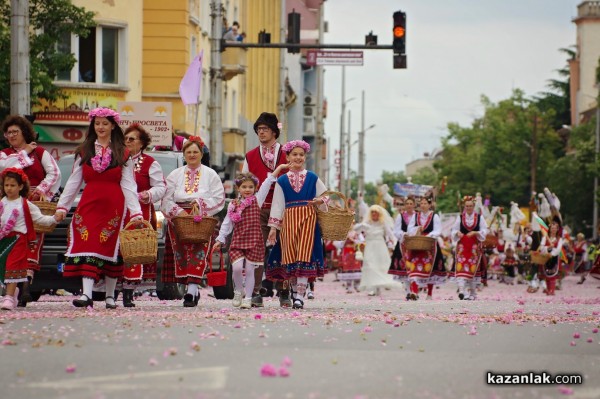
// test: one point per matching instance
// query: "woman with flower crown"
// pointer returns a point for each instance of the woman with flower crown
(151, 188)
(298, 255)
(189, 185)
(103, 163)
(247, 249)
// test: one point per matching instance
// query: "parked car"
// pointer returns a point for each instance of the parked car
(50, 276)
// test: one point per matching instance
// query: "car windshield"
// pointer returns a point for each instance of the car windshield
(167, 161)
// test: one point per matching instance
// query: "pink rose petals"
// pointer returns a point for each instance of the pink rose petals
(573, 343)
(589, 340)
(287, 362)
(71, 368)
(284, 372)
(268, 370)
(472, 331)
(595, 331)
(565, 390)
(257, 316)
(576, 335)
(152, 362)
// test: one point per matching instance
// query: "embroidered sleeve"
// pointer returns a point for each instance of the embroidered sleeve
(38, 217)
(455, 229)
(265, 187)
(413, 226)
(51, 183)
(398, 232)
(226, 228)
(483, 229)
(212, 205)
(437, 227)
(71, 188)
(277, 208)
(168, 205)
(19, 160)
(157, 182)
(129, 188)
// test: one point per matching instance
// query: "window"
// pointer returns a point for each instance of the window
(97, 56)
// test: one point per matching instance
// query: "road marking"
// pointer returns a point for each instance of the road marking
(207, 378)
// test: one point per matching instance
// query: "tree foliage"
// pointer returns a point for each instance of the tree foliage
(49, 20)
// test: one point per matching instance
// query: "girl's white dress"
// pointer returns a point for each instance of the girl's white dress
(376, 256)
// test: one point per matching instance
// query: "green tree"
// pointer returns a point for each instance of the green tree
(49, 21)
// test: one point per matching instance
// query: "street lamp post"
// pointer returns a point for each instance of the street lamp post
(361, 159)
(342, 182)
(348, 155)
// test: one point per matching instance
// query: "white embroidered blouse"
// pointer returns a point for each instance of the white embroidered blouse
(206, 190)
(20, 227)
(157, 180)
(469, 221)
(421, 220)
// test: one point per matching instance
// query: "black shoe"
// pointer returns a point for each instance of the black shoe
(461, 296)
(189, 301)
(108, 305)
(83, 303)
(197, 298)
(257, 301)
(298, 304)
(128, 298)
(284, 299)
(24, 294)
(408, 297)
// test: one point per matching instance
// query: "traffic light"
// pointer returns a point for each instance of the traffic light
(293, 36)
(399, 40)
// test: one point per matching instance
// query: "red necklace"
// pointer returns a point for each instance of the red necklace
(426, 224)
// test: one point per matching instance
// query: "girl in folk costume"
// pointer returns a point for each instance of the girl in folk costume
(510, 264)
(102, 161)
(151, 188)
(351, 258)
(193, 184)
(552, 243)
(44, 180)
(398, 265)
(16, 232)
(247, 249)
(425, 268)
(580, 249)
(377, 228)
(468, 232)
(298, 255)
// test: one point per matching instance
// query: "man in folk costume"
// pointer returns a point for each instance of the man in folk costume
(468, 232)
(260, 161)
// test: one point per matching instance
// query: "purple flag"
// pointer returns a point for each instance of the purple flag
(190, 87)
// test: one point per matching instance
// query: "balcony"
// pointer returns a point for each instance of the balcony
(234, 142)
(233, 61)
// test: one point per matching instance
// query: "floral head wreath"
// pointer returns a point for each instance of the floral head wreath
(243, 177)
(468, 198)
(196, 139)
(290, 145)
(104, 113)
(17, 171)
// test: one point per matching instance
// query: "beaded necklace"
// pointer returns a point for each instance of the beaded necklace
(190, 189)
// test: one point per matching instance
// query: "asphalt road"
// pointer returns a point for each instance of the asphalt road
(340, 346)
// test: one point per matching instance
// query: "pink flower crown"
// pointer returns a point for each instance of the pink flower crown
(290, 145)
(238, 182)
(104, 113)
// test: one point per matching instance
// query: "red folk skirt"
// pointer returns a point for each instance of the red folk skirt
(140, 272)
(15, 258)
(468, 258)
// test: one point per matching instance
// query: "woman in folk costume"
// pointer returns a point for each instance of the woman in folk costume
(16, 232)
(193, 184)
(552, 243)
(151, 188)
(425, 268)
(468, 232)
(298, 255)
(377, 228)
(398, 265)
(44, 180)
(247, 245)
(102, 161)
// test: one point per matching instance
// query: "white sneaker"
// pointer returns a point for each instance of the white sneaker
(310, 295)
(246, 303)
(237, 299)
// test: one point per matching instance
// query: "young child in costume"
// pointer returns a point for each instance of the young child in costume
(16, 232)
(510, 263)
(247, 247)
(298, 255)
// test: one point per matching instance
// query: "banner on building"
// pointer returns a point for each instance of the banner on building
(154, 117)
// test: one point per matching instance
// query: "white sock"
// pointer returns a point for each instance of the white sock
(192, 289)
(111, 284)
(249, 284)
(88, 286)
(237, 274)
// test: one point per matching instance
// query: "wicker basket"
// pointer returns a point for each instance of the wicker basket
(138, 246)
(491, 241)
(189, 232)
(336, 221)
(47, 209)
(419, 243)
(539, 258)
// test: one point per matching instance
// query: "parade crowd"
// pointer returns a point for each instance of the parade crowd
(271, 228)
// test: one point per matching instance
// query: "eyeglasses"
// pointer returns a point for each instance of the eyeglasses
(130, 139)
(12, 133)
(263, 129)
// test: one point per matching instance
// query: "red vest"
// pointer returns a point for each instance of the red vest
(142, 176)
(257, 167)
(35, 172)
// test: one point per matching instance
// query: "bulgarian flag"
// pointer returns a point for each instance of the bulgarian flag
(541, 223)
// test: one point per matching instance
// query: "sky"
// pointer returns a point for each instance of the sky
(457, 51)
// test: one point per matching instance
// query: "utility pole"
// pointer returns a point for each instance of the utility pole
(361, 147)
(533, 154)
(319, 169)
(348, 156)
(216, 85)
(19, 58)
(342, 188)
(282, 111)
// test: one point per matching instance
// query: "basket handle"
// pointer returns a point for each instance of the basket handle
(342, 196)
(137, 223)
(221, 261)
